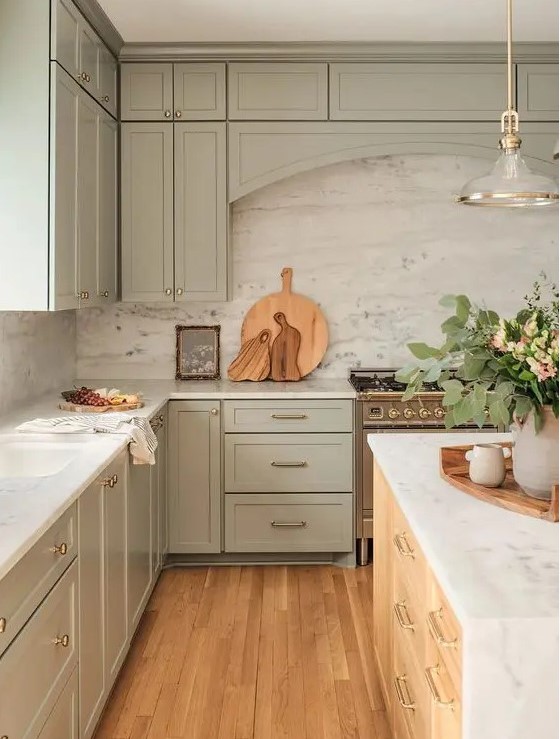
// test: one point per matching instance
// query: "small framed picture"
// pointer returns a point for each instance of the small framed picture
(198, 353)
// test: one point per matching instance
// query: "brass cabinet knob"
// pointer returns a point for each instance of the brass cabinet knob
(83, 76)
(168, 291)
(179, 291)
(115, 479)
(105, 98)
(104, 294)
(214, 411)
(178, 114)
(64, 640)
(167, 114)
(61, 549)
(2, 625)
(108, 482)
(161, 419)
(83, 295)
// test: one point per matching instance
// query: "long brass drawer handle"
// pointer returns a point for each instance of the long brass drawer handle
(289, 464)
(61, 548)
(401, 612)
(64, 640)
(289, 524)
(434, 617)
(403, 547)
(440, 703)
(405, 701)
(2, 625)
(289, 416)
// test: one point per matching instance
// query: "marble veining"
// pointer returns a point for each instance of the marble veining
(375, 242)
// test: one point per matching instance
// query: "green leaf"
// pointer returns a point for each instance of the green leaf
(527, 376)
(453, 392)
(504, 389)
(522, 406)
(463, 411)
(462, 308)
(433, 374)
(449, 419)
(448, 301)
(472, 366)
(423, 351)
(499, 413)
(409, 392)
(407, 373)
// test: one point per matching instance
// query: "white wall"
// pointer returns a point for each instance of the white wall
(37, 355)
(376, 242)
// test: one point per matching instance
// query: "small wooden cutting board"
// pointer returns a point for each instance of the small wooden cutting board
(74, 408)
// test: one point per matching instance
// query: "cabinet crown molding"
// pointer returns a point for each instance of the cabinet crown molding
(336, 51)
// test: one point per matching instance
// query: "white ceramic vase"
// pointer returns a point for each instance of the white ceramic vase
(535, 455)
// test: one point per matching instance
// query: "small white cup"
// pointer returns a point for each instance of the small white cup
(487, 464)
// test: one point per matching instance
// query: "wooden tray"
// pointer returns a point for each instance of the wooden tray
(455, 469)
(99, 408)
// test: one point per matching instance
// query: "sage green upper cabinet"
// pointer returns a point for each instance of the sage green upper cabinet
(199, 92)
(420, 92)
(108, 81)
(107, 202)
(283, 91)
(194, 477)
(537, 92)
(200, 211)
(147, 211)
(65, 44)
(146, 92)
(90, 46)
(88, 188)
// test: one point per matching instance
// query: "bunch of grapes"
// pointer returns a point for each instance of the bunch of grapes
(86, 396)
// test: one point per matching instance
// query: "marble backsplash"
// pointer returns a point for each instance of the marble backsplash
(375, 242)
(37, 354)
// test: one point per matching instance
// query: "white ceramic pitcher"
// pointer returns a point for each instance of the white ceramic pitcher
(488, 464)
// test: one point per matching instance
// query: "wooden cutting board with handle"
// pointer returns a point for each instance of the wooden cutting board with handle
(253, 360)
(301, 313)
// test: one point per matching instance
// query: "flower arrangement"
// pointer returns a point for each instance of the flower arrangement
(492, 366)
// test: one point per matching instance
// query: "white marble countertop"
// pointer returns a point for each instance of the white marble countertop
(29, 506)
(499, 570)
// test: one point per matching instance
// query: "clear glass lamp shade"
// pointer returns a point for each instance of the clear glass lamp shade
(511, 184)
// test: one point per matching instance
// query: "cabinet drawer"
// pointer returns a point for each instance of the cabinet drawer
(420, 92)
(288, 523)
(409, 563)
(445, 700)
(25, 586)
(537, 92)
(63, 720)
(294, 416)
(199, 92)
(445, 632)
(411, 697)
(409, 621)
(147, 92)
(35, 667)
(288, 463)
(277, 91)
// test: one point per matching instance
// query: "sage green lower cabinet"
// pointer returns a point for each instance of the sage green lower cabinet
(288, 416)
(288, 523)
(139, 542)
(194, 476)
(63, 721)
(158, 481)
(537, 92)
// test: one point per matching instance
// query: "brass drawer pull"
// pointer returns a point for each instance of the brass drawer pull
(440, 703)
(64, 640)
(115, 479)
(434, 618)
(289, 524)
(2, 625)
(403, 616)
(289, 464)
(289, 416)
(405, 700)
(61, 548)
(403, 547)
(108, 482)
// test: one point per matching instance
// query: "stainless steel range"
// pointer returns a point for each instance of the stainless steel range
(381, 409)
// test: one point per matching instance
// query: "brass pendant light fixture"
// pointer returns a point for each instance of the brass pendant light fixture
(511, 184)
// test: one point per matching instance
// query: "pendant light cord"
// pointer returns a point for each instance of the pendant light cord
(509, 58)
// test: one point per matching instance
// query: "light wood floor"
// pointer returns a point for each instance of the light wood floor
(252, 653)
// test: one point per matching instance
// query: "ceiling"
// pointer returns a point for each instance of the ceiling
(330, 20)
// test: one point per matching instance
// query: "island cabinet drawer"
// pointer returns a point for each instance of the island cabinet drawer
(288, 463)
(25, 586)
(445, 632)
(288, 523)
(290, 416)
(285, 91)
(445, 699)
(411, 699)
(409, 622)
(34, 670)
(409, 564)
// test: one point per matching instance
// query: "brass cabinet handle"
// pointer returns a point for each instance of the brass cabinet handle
(440, 703)
(168, 291)
(289, 416)
(403, 547)
(434, 618)
(64, 640)
(108, 482)
(115, 479)
(3, 623)
(179, 291)
(167, 114)
(405, 700)
(403, 616)
(178, 114)
(104, 294)
(61, 548)
(288, 464)
(289, 524)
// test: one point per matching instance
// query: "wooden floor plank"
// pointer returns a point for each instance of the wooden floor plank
(277, 652)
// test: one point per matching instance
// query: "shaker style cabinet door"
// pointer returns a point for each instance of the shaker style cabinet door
(63, 720)
(108, 81)
(199, 92)
(107, 242)
(200, 211)
(537, 92)
(90, 48)
(194, 477)
(88, 194)
(147, 212)
(147, 92)
(65, 36)
(139, 542)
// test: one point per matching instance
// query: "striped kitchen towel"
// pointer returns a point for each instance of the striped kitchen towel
(143, 441)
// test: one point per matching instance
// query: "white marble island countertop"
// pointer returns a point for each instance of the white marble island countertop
(499, 570)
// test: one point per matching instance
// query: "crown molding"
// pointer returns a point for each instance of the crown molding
(347, 51)
(102, 24)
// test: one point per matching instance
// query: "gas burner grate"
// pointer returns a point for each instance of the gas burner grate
(385, 382)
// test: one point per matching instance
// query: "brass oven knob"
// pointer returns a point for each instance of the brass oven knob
(394, 413)
(439, 412)
(408, 413)
(424, 413)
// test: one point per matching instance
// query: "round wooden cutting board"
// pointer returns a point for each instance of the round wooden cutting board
(301, 313)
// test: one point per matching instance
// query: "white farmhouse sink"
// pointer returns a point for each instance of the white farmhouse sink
(38, 458)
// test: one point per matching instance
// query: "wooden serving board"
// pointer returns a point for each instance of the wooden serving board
(99, 408)
(301, 313)
(455, 469)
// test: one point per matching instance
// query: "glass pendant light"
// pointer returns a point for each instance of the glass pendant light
(511, 184)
